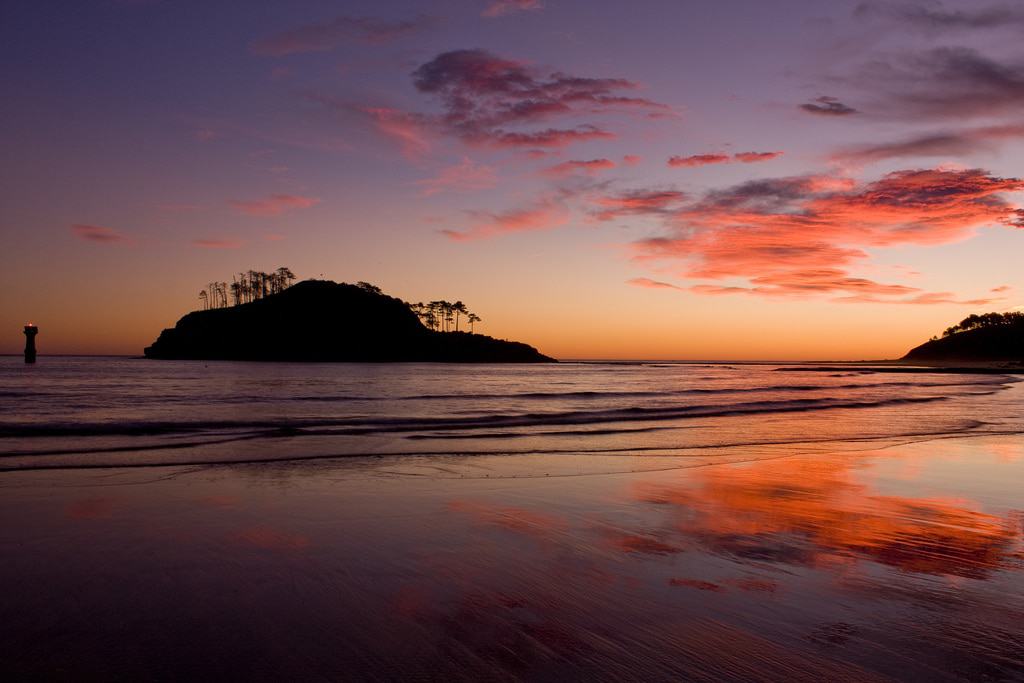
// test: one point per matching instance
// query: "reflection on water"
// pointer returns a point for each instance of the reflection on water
(901, 563)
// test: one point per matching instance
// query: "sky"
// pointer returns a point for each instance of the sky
(727, 179)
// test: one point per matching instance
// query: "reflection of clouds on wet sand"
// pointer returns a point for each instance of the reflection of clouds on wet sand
(90, 508)
(515, 519)
(816, 513)
(269, 538)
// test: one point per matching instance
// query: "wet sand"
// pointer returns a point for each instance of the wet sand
(866, 561)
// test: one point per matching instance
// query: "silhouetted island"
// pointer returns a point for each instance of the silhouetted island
(977, 338)
(318, 320)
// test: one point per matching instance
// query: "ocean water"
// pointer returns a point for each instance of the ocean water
(174, 521)
(89, 412)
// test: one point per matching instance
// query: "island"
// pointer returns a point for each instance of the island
(324, 321)
(989, 337)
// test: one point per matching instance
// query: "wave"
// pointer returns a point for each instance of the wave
(359, 426)
(568, 395)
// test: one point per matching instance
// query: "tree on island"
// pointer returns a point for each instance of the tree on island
(253, 285)
(975, 322)
(443, 316)
(246, 287)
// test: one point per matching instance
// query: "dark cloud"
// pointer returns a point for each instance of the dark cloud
(550, 137)
(99, 234)
(947, 82)
(933, 16)
(330, 34)
(482, 95)
(940, 144)
(828, 106)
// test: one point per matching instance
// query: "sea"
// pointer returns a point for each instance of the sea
(592, 521)
(101, 412)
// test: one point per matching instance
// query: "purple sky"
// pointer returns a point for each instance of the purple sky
(600, 179)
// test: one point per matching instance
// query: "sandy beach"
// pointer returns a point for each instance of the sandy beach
(898, 559)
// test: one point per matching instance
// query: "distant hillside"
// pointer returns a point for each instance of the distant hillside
(318, 320)
(988, 337)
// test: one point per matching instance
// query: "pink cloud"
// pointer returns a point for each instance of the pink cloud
(631, 160)
(721, 158)
(1001, 288)
(410, 131)
(545, 214)
(218, 243)
(99, 234)
(591, 167)
(273, 205)
(698, 160)
(651, 284)
(754, 157)
(467, 175)
(638, 203)
(499, 8)
(799, 237)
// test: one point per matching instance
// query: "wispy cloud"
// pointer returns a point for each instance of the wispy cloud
(330, 34)
(545, 214)
(588, 167)
(939, 144)
(499, 8)
(943, 83)
(273, 205)
(933, 16)
(466, 175)
(218, 243)
(638, 203)
(648, 283)
(99, 234)
(410, 131)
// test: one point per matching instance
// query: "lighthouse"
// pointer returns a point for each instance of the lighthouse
(30, 342)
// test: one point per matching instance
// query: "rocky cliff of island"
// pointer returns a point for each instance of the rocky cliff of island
(318, 320)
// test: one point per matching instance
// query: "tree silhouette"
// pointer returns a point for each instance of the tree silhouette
(459, 307)
(472, 318)
(246, 287)
(975, 322)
